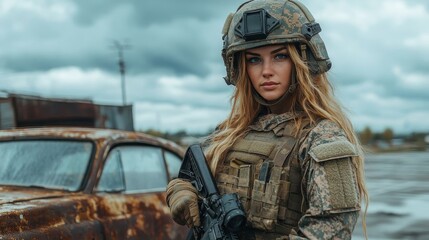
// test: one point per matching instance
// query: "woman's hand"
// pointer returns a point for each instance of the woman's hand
(182, 199)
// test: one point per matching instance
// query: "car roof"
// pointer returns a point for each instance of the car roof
(80, 133)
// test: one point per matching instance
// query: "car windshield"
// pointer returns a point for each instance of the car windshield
(54, 164)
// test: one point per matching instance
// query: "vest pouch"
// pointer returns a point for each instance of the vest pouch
(264, 207)
(244, 185)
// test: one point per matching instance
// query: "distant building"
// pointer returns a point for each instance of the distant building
(17, 110)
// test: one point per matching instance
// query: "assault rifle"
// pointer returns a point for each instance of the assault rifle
(221, 216)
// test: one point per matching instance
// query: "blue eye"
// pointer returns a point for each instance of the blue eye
(253, 60)
(281, 56)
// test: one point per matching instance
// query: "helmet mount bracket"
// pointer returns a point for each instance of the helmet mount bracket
(255, 25)
(310, 29)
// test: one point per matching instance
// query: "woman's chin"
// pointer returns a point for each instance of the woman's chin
(271, 99)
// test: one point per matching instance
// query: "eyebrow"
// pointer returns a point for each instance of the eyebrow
(272, 52)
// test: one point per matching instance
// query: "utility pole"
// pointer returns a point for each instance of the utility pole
(120, 47)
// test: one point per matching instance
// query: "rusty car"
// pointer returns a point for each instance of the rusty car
(86, 183)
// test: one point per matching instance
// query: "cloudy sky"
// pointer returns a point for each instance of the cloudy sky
(64, 48)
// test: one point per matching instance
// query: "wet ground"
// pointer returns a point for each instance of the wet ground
(398, 185)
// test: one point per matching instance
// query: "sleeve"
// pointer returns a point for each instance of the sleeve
(330, 184)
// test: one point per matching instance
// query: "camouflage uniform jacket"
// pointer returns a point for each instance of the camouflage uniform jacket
(327, 216)
(329, 185)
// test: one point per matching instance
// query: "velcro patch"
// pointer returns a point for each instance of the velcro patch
(342, 183)
(333, 150)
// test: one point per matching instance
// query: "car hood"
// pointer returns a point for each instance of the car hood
(9, 195)
(31, 209)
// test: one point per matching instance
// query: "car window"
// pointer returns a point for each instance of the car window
(112, 179)
(56, 164)
(142, 167)
(173, 164)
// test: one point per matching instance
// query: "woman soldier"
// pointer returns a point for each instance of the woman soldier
(287, 149)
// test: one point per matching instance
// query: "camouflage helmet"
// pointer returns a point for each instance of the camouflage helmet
(258, 23)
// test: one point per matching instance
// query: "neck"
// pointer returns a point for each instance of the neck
(281, 107)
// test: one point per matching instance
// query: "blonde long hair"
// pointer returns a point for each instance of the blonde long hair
(313, 95)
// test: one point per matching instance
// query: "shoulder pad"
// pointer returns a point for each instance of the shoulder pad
(333, 150)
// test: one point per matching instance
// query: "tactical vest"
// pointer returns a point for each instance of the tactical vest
(263, 168)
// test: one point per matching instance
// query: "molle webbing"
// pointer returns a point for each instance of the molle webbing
(257, 147)
(250, 152)
(239, 167)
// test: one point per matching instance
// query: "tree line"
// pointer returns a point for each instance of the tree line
(368, 137)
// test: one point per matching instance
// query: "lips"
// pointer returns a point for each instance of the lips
(268, 86)
(269, 83)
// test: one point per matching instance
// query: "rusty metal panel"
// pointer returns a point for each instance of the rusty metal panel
(33, 111)
(115, 117)
(7, 114)
(60, 216)
(82, 216)
(45, 112)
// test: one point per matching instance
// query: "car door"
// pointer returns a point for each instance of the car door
(133, 180)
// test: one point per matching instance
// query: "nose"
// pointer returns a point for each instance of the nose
(267, 69)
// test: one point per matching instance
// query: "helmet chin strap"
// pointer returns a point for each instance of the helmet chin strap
(290, 90)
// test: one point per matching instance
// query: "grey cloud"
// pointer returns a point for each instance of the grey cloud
(414, 60)
(149, 12)
(417, 95)
(43, 62)
(174, 42)
(173, 65)
(371, 55)
(162, 54)
(90, 11)
(191, 91)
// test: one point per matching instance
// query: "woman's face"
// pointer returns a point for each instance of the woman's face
(269, 69)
